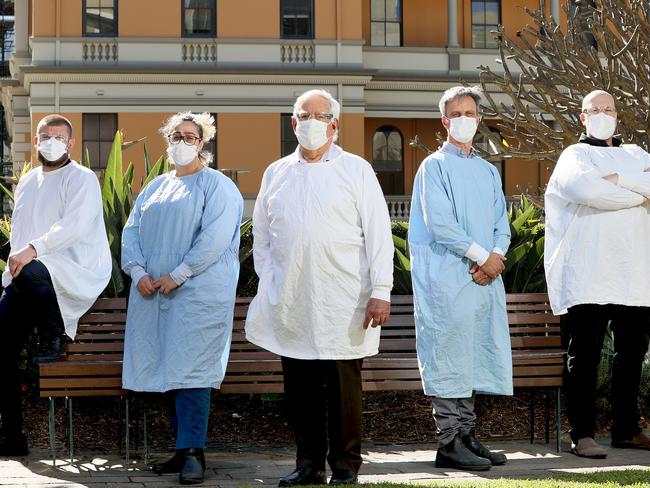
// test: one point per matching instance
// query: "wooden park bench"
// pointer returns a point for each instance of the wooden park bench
(92, 364)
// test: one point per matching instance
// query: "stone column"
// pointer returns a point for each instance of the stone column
(452, 23)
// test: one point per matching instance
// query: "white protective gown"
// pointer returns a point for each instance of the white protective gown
(60, 213)
(597, 245)
(322, 248)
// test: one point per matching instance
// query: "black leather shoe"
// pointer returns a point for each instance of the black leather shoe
(172, 465)
(304, 476)
(472, 443)
(456, 455)
(15, 445)
(49, 349)
(193, 467)
(343, 478)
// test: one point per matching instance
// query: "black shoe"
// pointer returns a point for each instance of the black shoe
(172, 465)
(15, 445)
(343, 478)
(193, 467)
(456, 455)
(304, 476)
(49, 349)
(472, 443)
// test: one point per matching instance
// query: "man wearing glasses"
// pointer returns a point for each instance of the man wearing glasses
(597, 261)
(323, 251)
(59, 263)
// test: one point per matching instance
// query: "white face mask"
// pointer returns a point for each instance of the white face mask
(312, 134)
(182, 154)
(52, 149)
(601, 126)
(463, 128)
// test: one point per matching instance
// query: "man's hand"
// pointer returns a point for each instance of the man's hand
(165, 284)
(647, 170)
(19, 260)
(377, 312)
(479, 277)
(146, 286)
(494, 266)
(613, 178)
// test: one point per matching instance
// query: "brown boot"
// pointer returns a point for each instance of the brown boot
(639, 441)
(587, 447)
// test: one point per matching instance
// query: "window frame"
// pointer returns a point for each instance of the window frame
(213, 25)
(94, 166)
(484, 24)
(116, 23)
(312, 34)
(284, 140)
(387, 129)
(384, 22)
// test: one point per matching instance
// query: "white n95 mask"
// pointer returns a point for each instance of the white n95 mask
(312, 133)
(463, 128)
(601, 126)
(182, 154)
(52, 149)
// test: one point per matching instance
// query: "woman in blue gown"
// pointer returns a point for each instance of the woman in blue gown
(181, 248)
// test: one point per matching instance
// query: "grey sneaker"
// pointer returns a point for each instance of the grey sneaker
(587, 447)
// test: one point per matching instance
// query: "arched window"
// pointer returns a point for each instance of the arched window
(388, 159)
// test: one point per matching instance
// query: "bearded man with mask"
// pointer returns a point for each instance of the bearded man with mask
(597, 259)
(323, 251)
(59, 263)
(458, 235)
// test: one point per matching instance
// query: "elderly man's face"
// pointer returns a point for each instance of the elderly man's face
(458, 107)
(601, 103)
(315, 105)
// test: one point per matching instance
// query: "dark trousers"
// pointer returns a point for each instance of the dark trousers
(587, 326)
(28, 301)
(324, 402)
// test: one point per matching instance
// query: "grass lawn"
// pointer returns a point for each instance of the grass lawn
(603, 479)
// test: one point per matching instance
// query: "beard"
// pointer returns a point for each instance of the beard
(51, 164)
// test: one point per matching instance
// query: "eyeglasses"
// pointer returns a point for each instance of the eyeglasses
(45, 137)
(322, 116)
(189, 139)
(596, 110)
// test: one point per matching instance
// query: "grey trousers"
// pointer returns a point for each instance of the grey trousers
(453, 416)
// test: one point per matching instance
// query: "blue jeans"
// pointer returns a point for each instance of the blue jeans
(190, 419)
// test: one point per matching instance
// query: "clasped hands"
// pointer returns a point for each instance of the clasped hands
(147, 286)
(491, 269)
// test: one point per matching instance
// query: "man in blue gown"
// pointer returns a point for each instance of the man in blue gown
(458, 236)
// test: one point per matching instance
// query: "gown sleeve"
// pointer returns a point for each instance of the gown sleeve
(438, 210)
(261, 237)
(375, 222)
(578, 181)
(220, 222)
(83, 204)
(501, 224)
(133, 261)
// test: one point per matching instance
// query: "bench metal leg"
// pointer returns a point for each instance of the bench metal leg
(126, 430)
(70, 431)
(144, 433)
(547, 416)
(558, 420)
(52, 428)
(532, 416)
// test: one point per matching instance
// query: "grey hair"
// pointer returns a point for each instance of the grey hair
(335, 106)
(459, 92)
(203, 121)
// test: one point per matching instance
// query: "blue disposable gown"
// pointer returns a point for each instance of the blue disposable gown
(182, 340)
(463, 342)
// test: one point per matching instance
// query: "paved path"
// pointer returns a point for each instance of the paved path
(264, 466)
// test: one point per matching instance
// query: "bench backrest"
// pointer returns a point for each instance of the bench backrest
(534, 332)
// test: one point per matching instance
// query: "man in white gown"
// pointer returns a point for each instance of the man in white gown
(59, 263)
(324, 253)
(597, 258)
